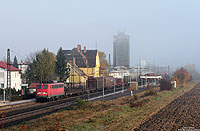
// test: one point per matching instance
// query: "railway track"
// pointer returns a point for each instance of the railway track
(10, 108)
(31, 114)
(15, 106)
(36, 110)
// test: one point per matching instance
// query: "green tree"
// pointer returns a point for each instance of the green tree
(42, 68)
(15, 63)
(60, 64)
(103, 63)
(31, 73)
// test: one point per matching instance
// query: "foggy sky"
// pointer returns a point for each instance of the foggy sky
(162, 32)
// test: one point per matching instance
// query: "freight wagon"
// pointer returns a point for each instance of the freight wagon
(97, 82)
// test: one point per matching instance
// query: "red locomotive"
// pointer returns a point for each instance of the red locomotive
(50, 91)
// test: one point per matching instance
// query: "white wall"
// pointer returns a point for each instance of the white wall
(23, 68)
(15, 79)
(119, 74)
(2, 77)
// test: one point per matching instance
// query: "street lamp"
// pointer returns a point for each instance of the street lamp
(123, 83)
(103, 85)
(4, 93)
(114, 85)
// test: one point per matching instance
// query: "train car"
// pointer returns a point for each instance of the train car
(50, 91)
(96, 83)
(118, 82)
(29, 92)
(91, 83)
(109, 82)
(126, 80)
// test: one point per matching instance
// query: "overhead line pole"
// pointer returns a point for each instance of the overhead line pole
(103, 85)
(73, 70)
(114, 85)
(8, 94)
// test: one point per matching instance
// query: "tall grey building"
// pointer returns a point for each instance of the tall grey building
(121, 50)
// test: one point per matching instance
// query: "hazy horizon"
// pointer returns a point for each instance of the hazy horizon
(161, 32)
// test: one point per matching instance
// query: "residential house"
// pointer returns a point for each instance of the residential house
(85, 62)
(23, 66)
(15, 76)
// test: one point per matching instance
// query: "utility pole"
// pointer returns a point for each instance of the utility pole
(169, 69)
(140, 66)
(114, 86)
(8, 76)
(123, 84)
(109, 64)
(137, 74)
(4, 94)
(103, 85)
(72, 69)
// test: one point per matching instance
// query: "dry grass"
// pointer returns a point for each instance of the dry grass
(106, 115)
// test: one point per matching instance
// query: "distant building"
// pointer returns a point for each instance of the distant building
(119, 72)
(15, 76)
(23, 66)
(121, 50)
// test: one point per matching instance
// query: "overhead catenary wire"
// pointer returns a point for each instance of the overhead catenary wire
(18, 54)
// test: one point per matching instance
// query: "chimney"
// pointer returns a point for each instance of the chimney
(84, 49)
(79, 48)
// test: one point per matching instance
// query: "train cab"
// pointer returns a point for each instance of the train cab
(50, 91)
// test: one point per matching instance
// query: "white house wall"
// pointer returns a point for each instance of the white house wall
(2, 77)
(15, 79)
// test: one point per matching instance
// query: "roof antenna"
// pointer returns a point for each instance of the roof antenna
(96, 45)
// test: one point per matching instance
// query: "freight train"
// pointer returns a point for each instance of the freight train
(51, 91)
(109, 82)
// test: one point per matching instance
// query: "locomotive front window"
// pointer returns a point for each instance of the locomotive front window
(45, 87)
(39, 87)
(53, 86)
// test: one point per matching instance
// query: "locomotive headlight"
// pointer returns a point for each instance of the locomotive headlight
(44, 93)
(39, 93)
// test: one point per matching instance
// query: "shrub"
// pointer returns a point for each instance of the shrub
(138, 103)
(81, 103)
(150, 92)
(135, 97)
(165, 85)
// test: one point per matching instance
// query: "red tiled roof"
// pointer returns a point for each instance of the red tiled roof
(33, 85)
(4, 65)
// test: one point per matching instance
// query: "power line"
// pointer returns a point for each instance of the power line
(18, 54)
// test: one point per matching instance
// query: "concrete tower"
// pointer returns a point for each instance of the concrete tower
(121, 50)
